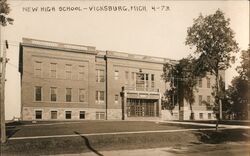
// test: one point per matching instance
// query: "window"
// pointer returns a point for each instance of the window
(126, 77)
(38, 93)
(53, 114)
(38, 114)
(152, 80)
(68, 69)
(116, 75)
(53, 92)
(68, 94)
(81, 72)
(200, 82)
(100, 115)
(201, 115)
(133, 78)
(68, 115)
(200, 100)
(209, 116)
(208, 99)
(116, 98)
(208, 83)
(81, 95)
(99, 96)
(82, 115)
(38, 69)
(99, 75)
(53, 70)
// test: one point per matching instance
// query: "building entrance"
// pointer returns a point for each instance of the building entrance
(142, 108)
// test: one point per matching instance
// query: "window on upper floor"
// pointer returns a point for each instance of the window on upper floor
(80, 72)
(116, 75)
(99, 75)
(82, 95)
(38, 69)
(208, 99)
(208, 82)
(116, 98)
(126, 77)
(200, 100)
(53, 93)
(68, 71)
(99, 96)
(68, 94)
(200, 82)
(152, 80)
(53, 67)
(38, 93)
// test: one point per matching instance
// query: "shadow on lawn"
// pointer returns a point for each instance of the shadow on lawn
(221, 136)
(11, 130)
(88, 144)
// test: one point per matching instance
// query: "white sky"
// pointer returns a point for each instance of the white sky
(155, 33)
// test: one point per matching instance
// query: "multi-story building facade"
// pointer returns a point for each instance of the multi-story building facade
(65, 81)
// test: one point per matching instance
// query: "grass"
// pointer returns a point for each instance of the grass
(81, 143)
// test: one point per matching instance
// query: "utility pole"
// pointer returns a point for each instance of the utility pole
(2, 94)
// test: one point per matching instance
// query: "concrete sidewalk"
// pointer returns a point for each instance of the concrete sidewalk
(205, 124)
(229, 149)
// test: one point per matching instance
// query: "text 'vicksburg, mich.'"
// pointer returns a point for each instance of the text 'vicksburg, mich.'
(104, 8)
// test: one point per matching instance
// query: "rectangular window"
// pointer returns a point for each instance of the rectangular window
(200, 100)
(53, 114)
(53, 93)
(81, 95)
(100, 115)
(208, 99)
(38, 69)
(68, 70)
(152, 80)
(68, 94)
(99, 75)
(201, 115)
(147, 82)
(38, 114)
(116, 74)
(82, 115)
(126, 77)
(116, 98)
(133, 79)
(99, 96)
(38, 93)
(208, 83)
(200, 82)
(68, 115)
(81, 73)
(209, 116)
(53, 70)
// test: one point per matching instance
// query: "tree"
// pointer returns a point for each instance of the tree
(238, 92)
(4, 11)
(182, 83)
(214, 44)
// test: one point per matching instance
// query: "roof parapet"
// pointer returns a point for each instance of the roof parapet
(30, 41)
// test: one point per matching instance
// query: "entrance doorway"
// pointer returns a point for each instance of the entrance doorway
(142, 108)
